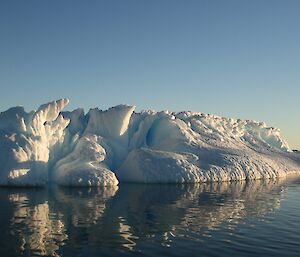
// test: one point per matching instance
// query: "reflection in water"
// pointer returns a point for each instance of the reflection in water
(167, 211)
(38, 220)
(232, 202)
(38, 232)
(126, 235)
(68, 220)
(83, 205)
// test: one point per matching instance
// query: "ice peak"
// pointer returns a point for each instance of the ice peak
(111, 123)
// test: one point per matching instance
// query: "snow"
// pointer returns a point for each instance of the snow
(103, 148)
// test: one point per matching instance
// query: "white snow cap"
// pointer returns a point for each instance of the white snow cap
(101, 148)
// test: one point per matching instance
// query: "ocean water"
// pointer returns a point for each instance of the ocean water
(253, 218)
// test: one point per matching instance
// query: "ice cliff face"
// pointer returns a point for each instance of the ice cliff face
(27, 140)
(101, 148)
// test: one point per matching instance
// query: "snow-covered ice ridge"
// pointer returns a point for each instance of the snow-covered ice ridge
(101, 148)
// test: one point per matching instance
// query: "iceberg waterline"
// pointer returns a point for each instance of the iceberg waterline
(101, 148)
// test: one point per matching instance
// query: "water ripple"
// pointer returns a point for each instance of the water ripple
(250, 218)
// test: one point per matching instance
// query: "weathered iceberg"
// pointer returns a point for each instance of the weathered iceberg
(28, 142)
(101, 148)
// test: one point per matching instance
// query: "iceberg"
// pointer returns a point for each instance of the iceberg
(103, 148)
(28, 141)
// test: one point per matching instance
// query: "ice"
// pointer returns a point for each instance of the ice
(84, 166)
(26, 141)
(151, 166)
(103, 148)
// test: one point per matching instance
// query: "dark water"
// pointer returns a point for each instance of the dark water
(259, 218)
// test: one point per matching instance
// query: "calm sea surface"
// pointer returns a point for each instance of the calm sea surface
(258, 218)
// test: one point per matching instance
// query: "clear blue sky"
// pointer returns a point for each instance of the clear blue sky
(231, 58)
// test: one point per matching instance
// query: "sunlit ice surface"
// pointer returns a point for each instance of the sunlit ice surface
(105, 148)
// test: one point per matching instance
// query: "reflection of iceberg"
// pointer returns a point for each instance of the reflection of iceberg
(229, 202)
(41, 232)
(85, 205)
(163, 212)
(126, 235)
(40, 221)
(134, 215)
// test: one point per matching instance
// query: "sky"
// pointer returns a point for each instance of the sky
(231, 58)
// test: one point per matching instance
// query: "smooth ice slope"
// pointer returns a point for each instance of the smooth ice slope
(101, 148)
